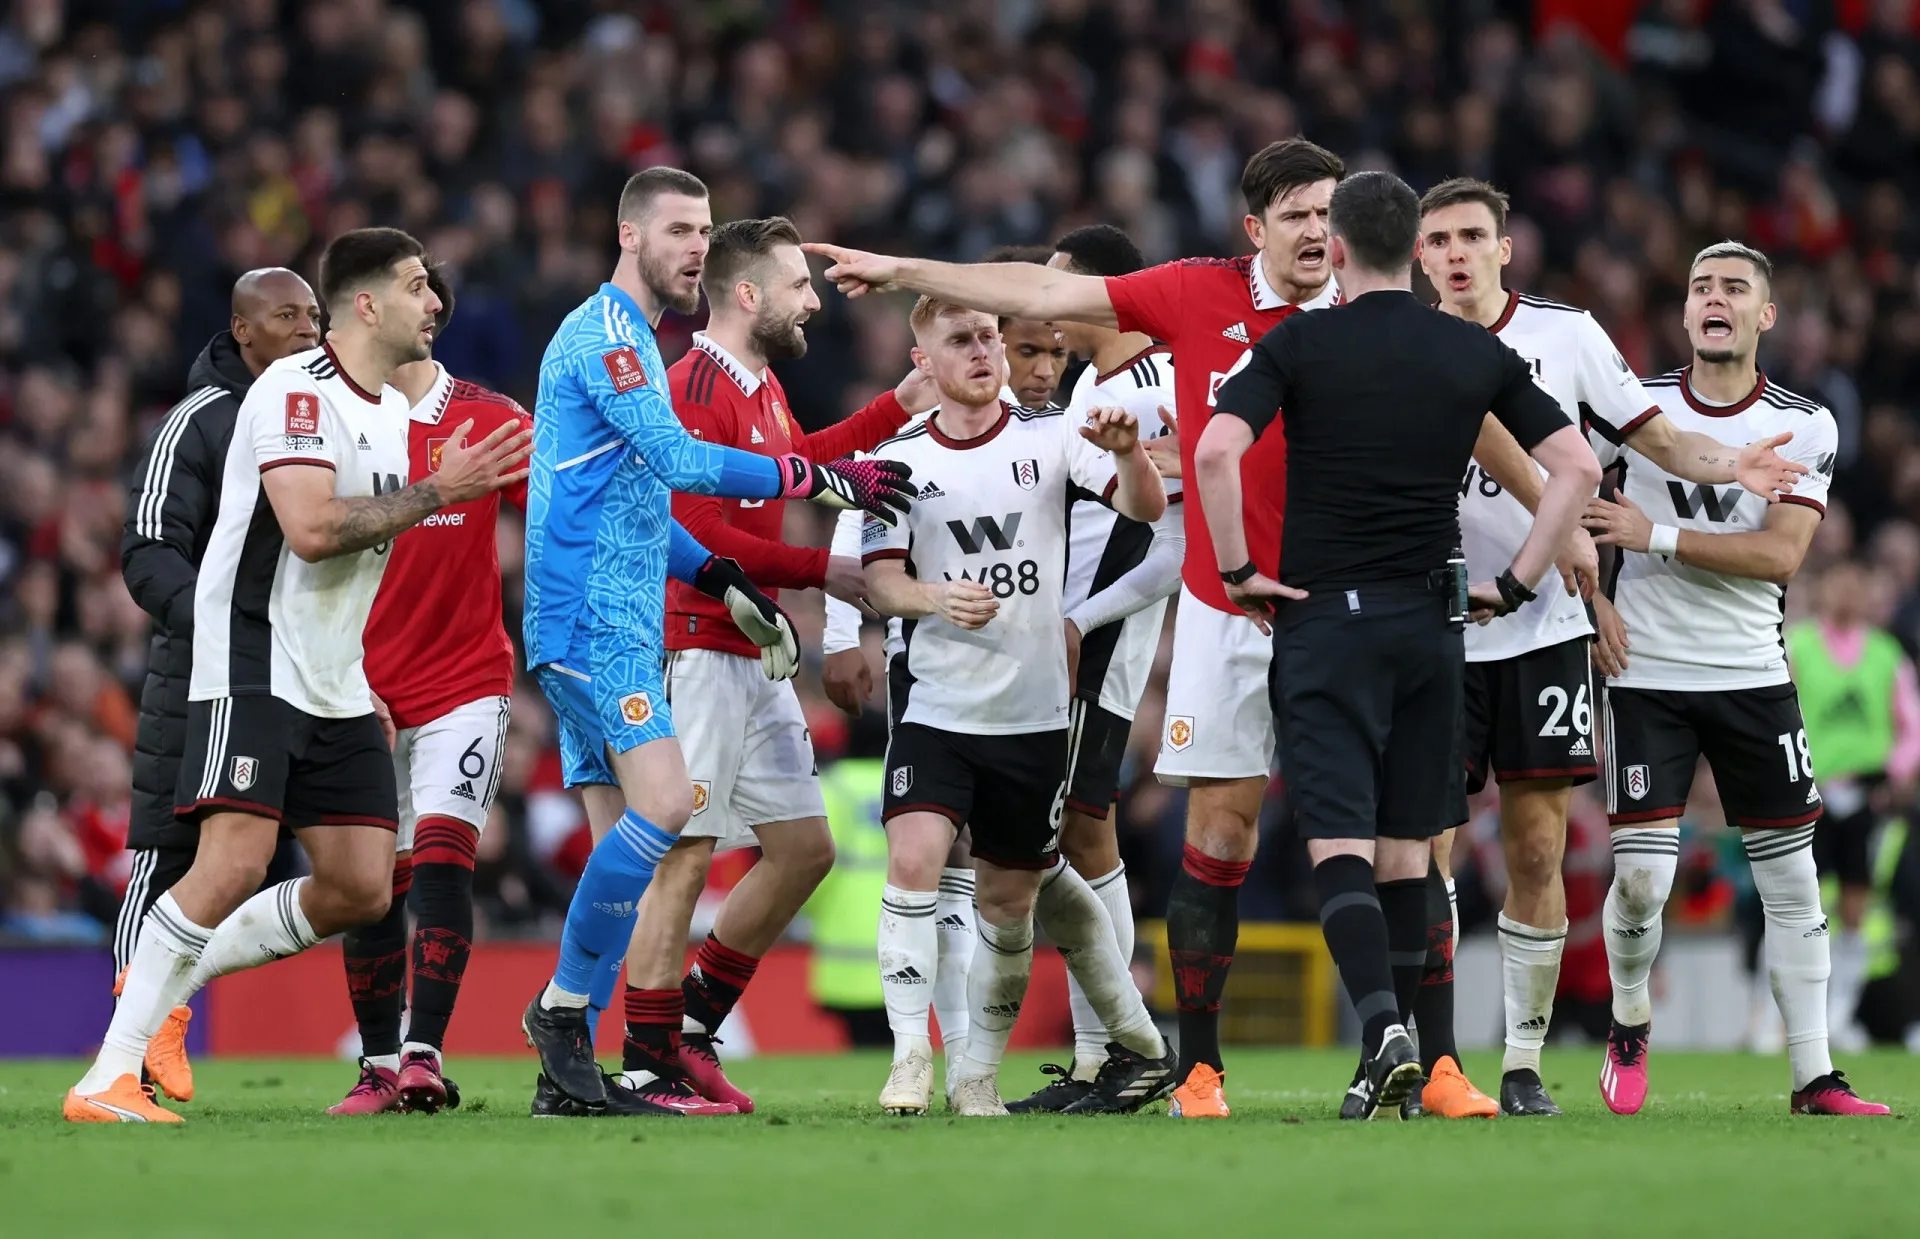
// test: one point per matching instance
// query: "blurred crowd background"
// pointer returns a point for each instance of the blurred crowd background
(153, 151)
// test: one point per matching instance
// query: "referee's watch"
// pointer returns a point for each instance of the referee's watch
(1512, 592)
(1244, 572)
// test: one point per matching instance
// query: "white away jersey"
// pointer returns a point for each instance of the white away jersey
(991, 509)
(1576, 364)
(1691, 629)
(265, 621)
(1104, 544)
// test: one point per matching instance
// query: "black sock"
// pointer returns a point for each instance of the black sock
(1403, 905)
(442, 941)
(1203, 928)
(1433, 1002)
(1356, 934)
(376, 958)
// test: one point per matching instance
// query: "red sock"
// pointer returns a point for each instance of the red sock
(719, 976)
(653, 1030)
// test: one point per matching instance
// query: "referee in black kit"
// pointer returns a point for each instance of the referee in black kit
(1383, 400)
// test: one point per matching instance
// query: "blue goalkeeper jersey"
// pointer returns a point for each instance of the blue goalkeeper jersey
(607, 453)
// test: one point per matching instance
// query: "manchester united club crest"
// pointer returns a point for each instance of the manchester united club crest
(245, 770)
(303, 413)
(902, 780)
(1179, 732)
(779, 412)
(1026, 474)
(1639, 781)
(624, 368)
(702, 792)
(434, 449)
(636, 708)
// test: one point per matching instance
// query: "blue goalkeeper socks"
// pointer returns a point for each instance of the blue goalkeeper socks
(600, 918)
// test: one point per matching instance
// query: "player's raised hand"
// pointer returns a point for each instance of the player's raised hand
(1610, 637)
(760, 621)
(1579, 564)
(964, 604)
(1765, 471)
(1623, 524)
(1111, 428)
(469, 471)
(917, 392)
(1256, 595)
(856, 272)
(874, 486)
(848, 678)
(1164, 449)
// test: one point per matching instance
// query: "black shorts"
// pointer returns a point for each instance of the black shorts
(1531, 717)
(1097, 739)
(1752, 739)
(1009, 787)
(259, 755)
(1369, 694)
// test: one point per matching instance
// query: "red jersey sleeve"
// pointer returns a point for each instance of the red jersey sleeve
(517, 493)
(768, 563)
(864, 431)
(1153, 300)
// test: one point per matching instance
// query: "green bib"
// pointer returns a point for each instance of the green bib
(1848, 710)
(845, 910)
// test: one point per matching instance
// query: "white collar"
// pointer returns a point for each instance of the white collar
(1265, 298)
(748, 381)
(433, 405)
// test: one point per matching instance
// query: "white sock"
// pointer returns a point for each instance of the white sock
(953, 923)
(553, 997)
(421, 1047)
(996, 986)
(1797, 956)
(1079, 925)
(1644, 861)
(909, 955)
(1453, 910)
(1529, 976)
(159, 979)
(1089, 1034)
(390, 1061)
(267, 927)
(1849, 948)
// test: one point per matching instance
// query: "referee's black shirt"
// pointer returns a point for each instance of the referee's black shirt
(1383, 398)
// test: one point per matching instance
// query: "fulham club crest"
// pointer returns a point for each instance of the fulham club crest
(1638, 782)
(1026, 474)
(245, 771)
(902, 780)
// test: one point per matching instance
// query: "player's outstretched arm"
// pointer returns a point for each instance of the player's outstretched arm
(1695, 457)
(964, 604)
(1156, 576)
(1771, 553)
(318, 525)
(1138, 492)
(1015, 289)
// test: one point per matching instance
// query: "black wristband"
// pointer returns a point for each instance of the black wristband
(1512, 592)
(1244, 572)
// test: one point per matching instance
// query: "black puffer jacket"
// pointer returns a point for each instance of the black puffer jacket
(170, 513)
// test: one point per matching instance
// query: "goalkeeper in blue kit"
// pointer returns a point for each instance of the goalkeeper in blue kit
(601, 540)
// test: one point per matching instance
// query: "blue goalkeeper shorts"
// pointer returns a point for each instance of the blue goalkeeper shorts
(614, 698)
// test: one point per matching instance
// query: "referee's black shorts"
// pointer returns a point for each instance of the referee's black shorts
(1368, 687)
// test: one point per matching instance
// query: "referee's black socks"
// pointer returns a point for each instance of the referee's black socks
(1351, 916)
(1433, 1004)
(1403, 905)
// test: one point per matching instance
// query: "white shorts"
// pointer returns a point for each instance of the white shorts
(747, 746)
(1219, 723)
(450, 766)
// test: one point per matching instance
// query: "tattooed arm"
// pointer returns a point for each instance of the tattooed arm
(1696, 457)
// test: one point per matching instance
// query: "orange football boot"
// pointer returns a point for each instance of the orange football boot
(1450, 1095)
(167, 1063)
(1203, 1096)
(124, 1101)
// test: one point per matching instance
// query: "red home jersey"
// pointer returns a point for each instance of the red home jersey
(435, 640)
(721, 401)
(1210, 311)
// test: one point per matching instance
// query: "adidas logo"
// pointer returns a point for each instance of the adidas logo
(465, 790)
(1537, 1024)
(756, 436)
(616, 909)
(930, 491)
(1813, 794)
(1002, 1010)
(952, 920)
(1631, 935)
(906, 976)
(364, 445)
(1580, 748)
(1237, 333)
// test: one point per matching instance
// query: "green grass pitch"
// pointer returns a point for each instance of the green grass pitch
(1715, 1154)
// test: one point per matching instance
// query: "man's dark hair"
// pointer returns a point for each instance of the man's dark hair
(1463, 189)
(1762, 265)
(356, 259)
(1279, 168)
(1378, 215)
(643, 187)
(1100, 249)
(735, 249)
(1018, 253)
(437, 282)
